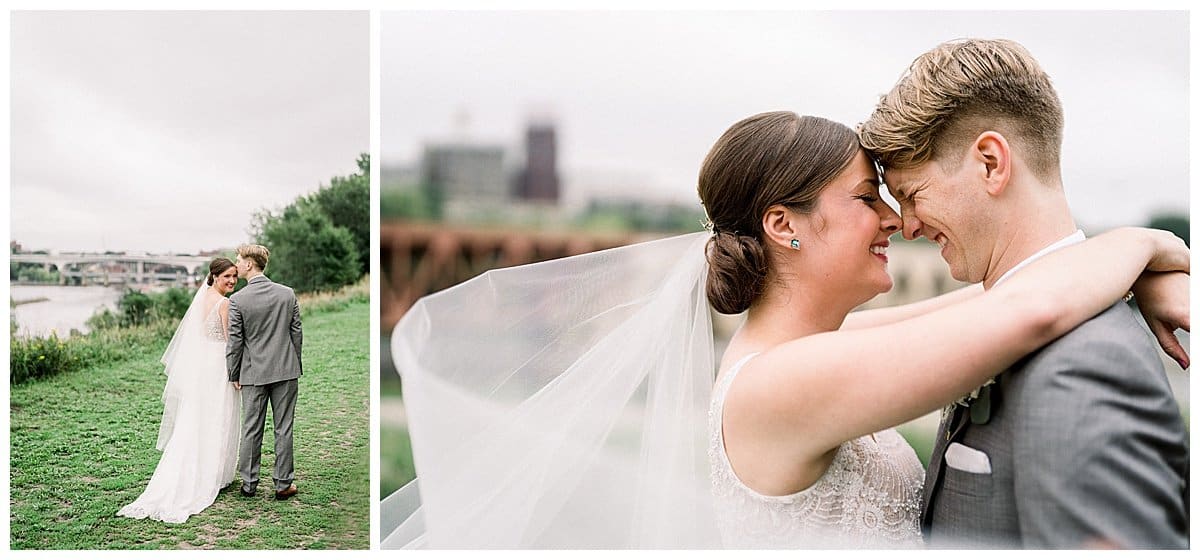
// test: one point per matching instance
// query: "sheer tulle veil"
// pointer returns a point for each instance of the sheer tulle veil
(561, 404)
(181, 351)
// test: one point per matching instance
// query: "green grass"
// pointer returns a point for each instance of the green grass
(395, 459)
(921, 438)
(82, 446)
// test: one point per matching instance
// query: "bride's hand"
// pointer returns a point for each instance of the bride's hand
(1171, 254)
(1163, 299)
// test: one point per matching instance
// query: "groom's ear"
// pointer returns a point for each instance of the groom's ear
(780, 225)
(993, 159)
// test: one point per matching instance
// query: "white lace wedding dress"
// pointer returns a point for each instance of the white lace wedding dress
(868, 498)
(200, 426)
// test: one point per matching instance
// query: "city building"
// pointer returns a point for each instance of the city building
(538, 181)
(467, 177)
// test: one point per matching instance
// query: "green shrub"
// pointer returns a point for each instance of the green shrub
(103, 319)
(172, 303)
(135, 308)
(38, 357)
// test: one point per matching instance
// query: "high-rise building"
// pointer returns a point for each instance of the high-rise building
(539, 179)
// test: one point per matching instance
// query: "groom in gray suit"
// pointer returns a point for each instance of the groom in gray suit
(263, 356)
(1081, 443)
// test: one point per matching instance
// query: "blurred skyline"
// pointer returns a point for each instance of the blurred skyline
(166, 131)
(639, 97)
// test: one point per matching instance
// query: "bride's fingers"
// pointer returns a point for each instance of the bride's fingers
(1170, 343)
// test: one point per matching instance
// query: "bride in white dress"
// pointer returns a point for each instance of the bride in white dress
(199, 431)
(572, 403)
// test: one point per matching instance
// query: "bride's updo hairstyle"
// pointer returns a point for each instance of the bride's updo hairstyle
(761, 161)
(216, 267)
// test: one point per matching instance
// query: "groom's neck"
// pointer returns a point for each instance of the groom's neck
(254, 274)
(1034, 223)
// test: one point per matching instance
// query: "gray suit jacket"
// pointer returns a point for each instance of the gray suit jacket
(1087, 449)
(264, 333)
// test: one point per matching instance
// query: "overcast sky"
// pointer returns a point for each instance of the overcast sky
(639, 97)
(166, 131)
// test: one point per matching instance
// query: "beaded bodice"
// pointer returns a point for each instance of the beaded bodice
(868, 498)
(214, 329)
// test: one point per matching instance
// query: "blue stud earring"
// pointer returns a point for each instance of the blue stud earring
(795, 243)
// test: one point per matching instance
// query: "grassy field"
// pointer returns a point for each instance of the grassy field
(82, 446)
(395, 459)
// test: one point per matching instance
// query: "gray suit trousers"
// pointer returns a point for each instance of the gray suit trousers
(282, 395)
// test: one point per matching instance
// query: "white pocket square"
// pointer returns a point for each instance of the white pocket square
(963, 458)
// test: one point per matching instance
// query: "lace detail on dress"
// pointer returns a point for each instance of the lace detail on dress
(869, 497)
(214, 329)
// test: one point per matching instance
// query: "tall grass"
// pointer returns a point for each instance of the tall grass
(324, 302)
(41, 357)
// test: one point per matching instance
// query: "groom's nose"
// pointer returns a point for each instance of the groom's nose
(912, 227)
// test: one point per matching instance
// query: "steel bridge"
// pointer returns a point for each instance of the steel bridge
(86, 269)
(419, 259)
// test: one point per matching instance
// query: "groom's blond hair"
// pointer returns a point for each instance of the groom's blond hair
(256, 253)
(960, 89)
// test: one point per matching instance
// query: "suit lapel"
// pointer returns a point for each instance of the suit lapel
(950, 428)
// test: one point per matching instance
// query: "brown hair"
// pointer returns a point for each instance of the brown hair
(216, 267)
(953, 93)
(257, 253)
(761, 161)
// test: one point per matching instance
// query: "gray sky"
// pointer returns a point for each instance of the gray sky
(640, 97)
(166, 131)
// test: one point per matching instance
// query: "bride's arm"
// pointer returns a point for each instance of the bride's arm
(836, 386)
(1162, 300)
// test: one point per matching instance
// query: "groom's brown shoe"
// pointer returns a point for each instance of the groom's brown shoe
(286, 492)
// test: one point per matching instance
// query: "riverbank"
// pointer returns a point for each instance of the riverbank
(82, 446)
(42, 309)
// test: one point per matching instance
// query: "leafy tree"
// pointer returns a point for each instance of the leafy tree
(308, 252)
(31, 272)
(321, 241)
(347, 204)
(413, 201)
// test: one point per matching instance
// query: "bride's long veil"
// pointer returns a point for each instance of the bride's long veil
(561, 405)
(181, 351)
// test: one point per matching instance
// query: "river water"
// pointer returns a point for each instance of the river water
(64, 308)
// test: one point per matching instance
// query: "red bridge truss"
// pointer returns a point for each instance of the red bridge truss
(419, 259)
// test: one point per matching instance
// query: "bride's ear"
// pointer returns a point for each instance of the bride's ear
(782, 228)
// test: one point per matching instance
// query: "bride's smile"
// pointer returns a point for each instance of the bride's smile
(225, 282)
